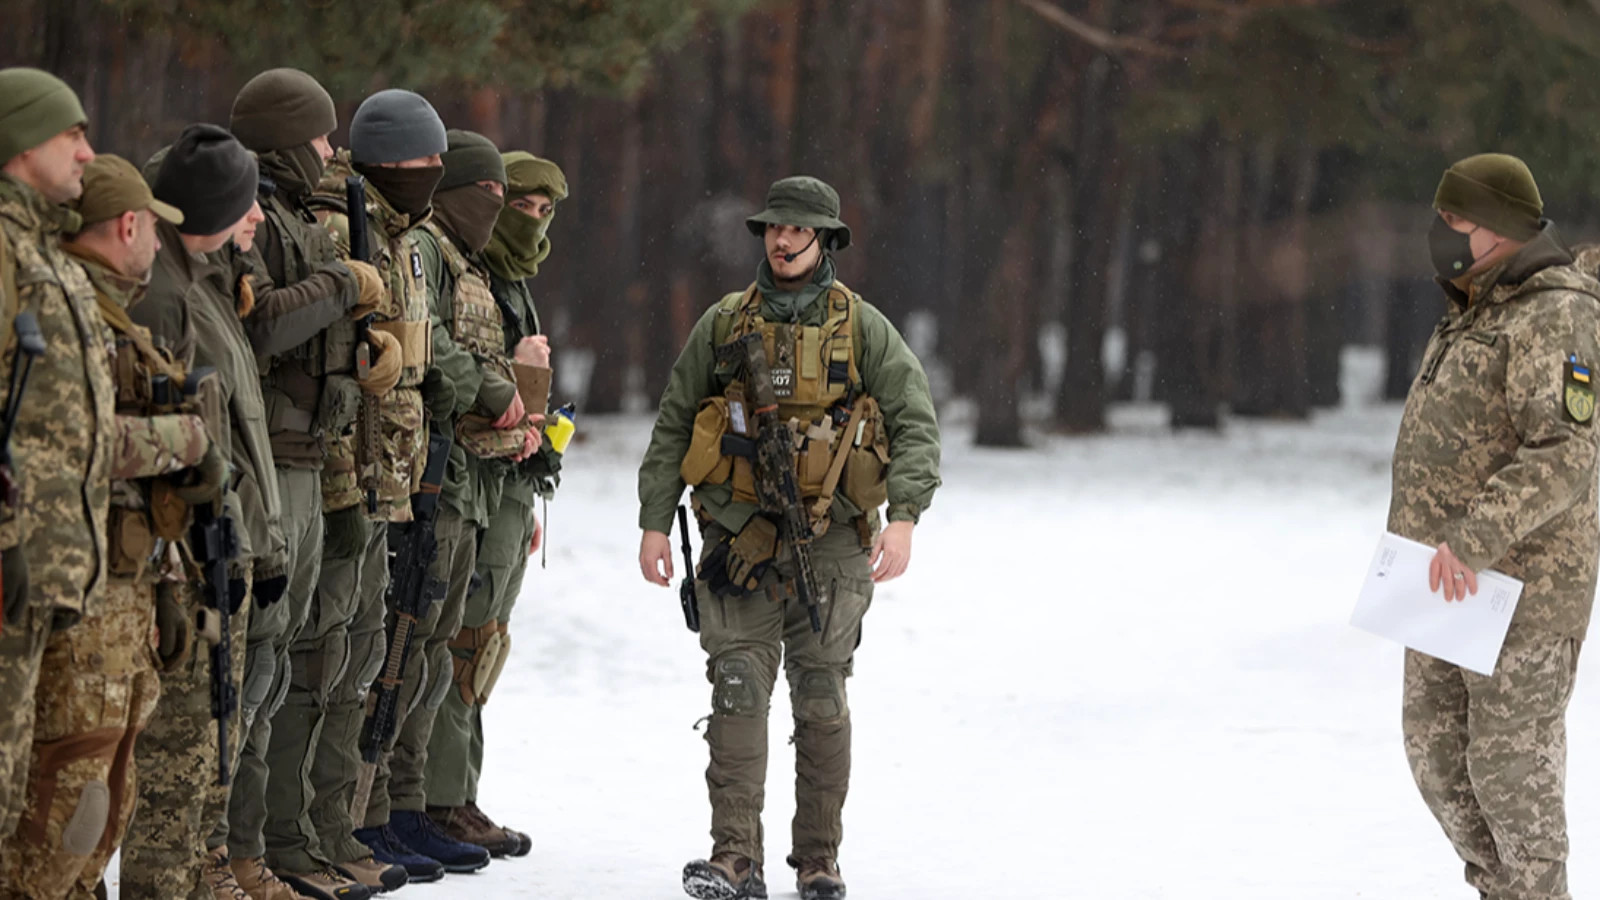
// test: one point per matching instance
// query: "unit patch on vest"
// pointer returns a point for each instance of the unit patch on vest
(416, 264)
(1578, 393)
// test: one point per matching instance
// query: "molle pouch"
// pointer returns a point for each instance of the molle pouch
(132, 542)
(339, 349)
(338, 404)
(132, 377)
(816, 455)
(478, 437)
(704, 463)
(866, 470)
(416, 349)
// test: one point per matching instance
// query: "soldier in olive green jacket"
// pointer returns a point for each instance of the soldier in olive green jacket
(861, 404)
(1495, 465)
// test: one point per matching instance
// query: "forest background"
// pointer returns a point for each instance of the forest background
(1064, 204)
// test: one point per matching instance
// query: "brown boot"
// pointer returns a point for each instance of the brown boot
(518, 844)
(258, 882)
(817, 878)
(219, 877)
(459, 824)
(327, 884)
(379, 877)
(725, 876)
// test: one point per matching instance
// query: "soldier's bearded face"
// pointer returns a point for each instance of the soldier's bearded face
(785, 239)
(142, 253)
(55, 167)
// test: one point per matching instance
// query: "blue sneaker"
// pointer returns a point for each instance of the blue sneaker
(416, 830)
(389, 849)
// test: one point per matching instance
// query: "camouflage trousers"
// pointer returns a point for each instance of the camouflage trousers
(21, 651)
(164, 855)
(745, 639)
(331, 664)
(1489, 755)
(97, 689)
(455, 751)
(266, 671)
(398, 783)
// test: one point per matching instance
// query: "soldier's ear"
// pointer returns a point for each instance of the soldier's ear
(128, 226)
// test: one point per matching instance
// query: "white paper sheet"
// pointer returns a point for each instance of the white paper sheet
(1395, 603)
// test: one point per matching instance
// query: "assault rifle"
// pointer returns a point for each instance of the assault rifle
(686, 597)
(368, 438)
(30, 346)
(772, 457)
(412, 589)
(215, 544)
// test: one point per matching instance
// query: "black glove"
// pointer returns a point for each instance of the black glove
(236, 592)
(345, 533)
(270, 590)
(735, 566)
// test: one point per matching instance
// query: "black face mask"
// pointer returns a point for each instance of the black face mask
(409, 191)
(1451, 250)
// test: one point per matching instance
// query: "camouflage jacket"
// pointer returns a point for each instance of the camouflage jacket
(1497, 450)
(147, 445)
(403, 429)
(304, 289)
(191, 307)
(61, 448)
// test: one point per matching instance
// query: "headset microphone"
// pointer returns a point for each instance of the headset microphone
(791, 257)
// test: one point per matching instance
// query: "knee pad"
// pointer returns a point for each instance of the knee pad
(84, 829)
(260, 667)
(323, 667)
(438, 683)
(365, 662)
(477, 656)
(818, 695)
(738, 688)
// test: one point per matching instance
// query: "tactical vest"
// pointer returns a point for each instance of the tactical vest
(477, 326)
(841, 444)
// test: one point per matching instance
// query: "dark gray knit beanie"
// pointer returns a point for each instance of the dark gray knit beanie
(393, 126)
(209, 176)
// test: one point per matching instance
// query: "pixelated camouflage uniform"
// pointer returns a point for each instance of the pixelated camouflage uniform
(469, 376)
(336, 765)
(61, 454)
(192, 308)
(1491, 461)
(98, 685)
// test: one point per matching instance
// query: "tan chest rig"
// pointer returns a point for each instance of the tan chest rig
(148, 522)
(841, 444)
(478, 327)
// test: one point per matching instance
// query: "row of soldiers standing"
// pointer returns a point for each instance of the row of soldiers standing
(216, 376)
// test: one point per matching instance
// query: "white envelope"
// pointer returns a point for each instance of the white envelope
(1395, 603)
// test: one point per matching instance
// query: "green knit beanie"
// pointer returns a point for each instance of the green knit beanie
(35, 106)
(1495, 191)
(469, 159)
(280, 109)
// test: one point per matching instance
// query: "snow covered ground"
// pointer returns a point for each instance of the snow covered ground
(1119, 668)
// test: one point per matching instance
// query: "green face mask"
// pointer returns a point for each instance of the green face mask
(518, 244)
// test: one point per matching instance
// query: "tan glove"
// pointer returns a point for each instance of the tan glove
(204, 481)
(369, 284)
(384, 373)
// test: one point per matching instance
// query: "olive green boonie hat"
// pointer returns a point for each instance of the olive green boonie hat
(804, 202)
(111, 187)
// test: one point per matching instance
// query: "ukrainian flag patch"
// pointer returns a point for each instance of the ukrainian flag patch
(1578, 391)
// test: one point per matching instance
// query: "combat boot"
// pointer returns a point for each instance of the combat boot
(219, 877)
(469, 825)
(386, 847)
(327, 884)
(378, 877)
(726, 876)
(258, 882)
(419, 833)
(817, 878)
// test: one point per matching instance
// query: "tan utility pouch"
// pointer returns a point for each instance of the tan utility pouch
(866, 470)
(477, 435)
(533, 384)
(131, 540)
(704, 463)
(416, 347)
